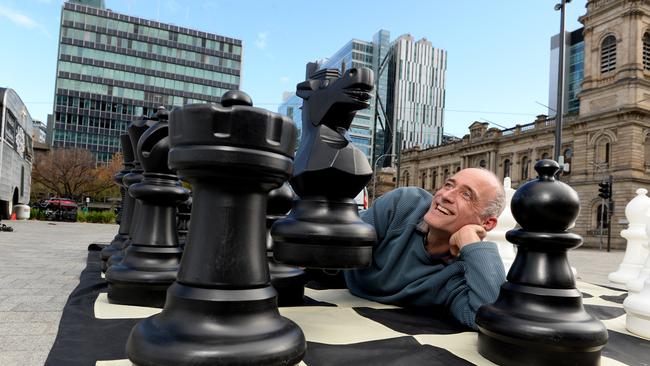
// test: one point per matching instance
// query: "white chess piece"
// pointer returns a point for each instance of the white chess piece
(637, 307)
(505, 222)
(636, 285)
(635, 253)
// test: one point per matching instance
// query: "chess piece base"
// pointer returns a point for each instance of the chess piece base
(289, 282)
(626, 273)
(143, 276)
(515, 352)
(321, 233)
(113, 248)
(207, 326)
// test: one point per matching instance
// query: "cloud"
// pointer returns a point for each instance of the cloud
(22, 20)
(260, 42)
(284, 79)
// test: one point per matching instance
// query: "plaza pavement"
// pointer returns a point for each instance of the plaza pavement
(40, 263)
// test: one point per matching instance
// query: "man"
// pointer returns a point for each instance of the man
(429, 249)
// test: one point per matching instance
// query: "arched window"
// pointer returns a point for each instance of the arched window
(506, 168)
(600, 216)
(545, 156)
(457, 169)
(446, 175)
(568, 154)
(434, 175)
(603, 151)
(608, 54)
(647, 149)
(423, 181)
(525, 162)
(646, 51)
(482, 163)
(406, 178)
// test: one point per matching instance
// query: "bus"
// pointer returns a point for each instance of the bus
(16, 152)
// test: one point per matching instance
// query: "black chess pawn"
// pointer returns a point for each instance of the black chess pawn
(222, 309)
(136, 128)
(288, 281)
(323, 229)
(150, 263)
(538, 318)
(126, 210)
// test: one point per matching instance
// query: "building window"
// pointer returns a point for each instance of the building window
(424, 179)
(608, 54)
(525, 162)
(545, 156)
(646, 51)
(600, 216)
(406, 178)
(482, 163)
(568, 154)
(434, 174)
(446, 175)
(603, 151)
(506, 168)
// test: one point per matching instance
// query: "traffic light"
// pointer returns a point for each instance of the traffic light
(605, 190)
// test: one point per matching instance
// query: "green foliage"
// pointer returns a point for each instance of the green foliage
(101, 217)
(36, 214)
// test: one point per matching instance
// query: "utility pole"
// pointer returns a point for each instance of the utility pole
(560, 83)
(610, 213)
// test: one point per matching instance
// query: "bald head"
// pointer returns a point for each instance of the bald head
(495, 201)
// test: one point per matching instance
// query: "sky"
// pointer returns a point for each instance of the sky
(498, 51)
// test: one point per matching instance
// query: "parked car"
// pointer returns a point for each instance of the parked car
(59, 209)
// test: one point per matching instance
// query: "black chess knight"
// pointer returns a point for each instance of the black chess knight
(538, 318)
(323, 229)
(151, 261)
(222, 308)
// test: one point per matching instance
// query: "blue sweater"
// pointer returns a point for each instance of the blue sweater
(404, 273)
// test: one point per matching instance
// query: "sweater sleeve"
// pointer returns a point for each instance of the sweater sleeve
(483, 276)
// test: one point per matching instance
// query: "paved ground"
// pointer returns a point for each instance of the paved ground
(41, 263)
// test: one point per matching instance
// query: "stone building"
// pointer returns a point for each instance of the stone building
(609, 135)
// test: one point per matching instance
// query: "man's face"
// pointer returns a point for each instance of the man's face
(461, 200)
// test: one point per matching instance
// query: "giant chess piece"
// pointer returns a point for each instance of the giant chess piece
(323, 229)
(635, 234)
(122, 236)
(637, 284)
(505, 222)
(637, 307)
(136, 128)
(538, 318)
(222, 309)
(288, 281)
(151, 262)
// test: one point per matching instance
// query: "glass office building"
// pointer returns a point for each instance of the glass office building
(573, 71)
(114, 67)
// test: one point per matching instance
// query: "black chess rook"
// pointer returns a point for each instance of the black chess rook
(539, 318)
(222, 308)
(151, 261)
(323, 229)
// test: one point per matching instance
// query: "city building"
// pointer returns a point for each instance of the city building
(574, 50)
(608, 135)
(409, 85)
(114, 67)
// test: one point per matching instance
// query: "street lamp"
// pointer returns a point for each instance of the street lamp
(560, 82)
(374, 175)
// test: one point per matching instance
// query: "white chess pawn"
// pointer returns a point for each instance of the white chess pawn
(505, 222)
(636, 285)
(635, 253)
(637, 307)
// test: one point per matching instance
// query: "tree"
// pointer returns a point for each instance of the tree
(72, 173)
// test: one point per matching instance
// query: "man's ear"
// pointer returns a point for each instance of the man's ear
(489, 223)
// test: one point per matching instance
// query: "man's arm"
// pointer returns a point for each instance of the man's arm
(483, 275)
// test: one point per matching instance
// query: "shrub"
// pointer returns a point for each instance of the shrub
(101, 217)
(36, 214)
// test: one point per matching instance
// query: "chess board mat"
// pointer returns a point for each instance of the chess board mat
(340, 329)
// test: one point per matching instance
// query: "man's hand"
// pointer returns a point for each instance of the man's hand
(466, 235)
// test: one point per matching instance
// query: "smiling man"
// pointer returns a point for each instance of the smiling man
(430, 249)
